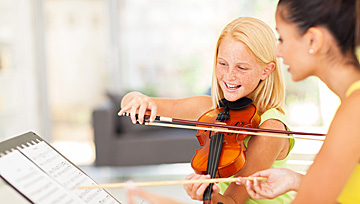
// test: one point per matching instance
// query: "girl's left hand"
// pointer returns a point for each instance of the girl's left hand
(196, 191)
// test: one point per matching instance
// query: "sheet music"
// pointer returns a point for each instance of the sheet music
(66, 174)
(32, 181)
(12, 196)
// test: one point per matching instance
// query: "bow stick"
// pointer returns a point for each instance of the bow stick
(165, 183)
(174, 120)
(231, 131)
(254, 131)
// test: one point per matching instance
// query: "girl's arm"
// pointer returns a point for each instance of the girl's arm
(337, 158)
(190, 108)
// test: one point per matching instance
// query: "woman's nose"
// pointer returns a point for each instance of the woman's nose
(277, 51)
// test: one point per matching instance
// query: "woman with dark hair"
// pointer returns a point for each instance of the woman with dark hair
(320, 38)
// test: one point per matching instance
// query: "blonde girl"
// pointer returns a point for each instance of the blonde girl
(245, 66)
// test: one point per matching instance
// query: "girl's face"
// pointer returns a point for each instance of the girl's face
(237, 70)
(293, 49)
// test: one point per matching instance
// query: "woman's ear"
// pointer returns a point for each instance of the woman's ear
(315, 39)
(268, 69)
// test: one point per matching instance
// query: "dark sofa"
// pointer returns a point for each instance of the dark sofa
(118, 142)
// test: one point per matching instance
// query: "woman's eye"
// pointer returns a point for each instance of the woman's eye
(242, 68)
(280, 40)
(222, 63)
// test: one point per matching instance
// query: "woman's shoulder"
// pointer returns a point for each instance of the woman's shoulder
(350, 104)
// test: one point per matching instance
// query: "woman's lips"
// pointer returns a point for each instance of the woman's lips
(287, 66)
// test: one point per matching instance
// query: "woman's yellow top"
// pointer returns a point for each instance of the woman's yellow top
(351, 193)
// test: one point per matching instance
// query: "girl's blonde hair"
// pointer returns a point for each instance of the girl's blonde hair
(261, 42)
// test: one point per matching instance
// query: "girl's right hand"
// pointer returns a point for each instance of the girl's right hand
(138, 103)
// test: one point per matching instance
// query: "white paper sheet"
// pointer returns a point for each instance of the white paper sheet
(32, 181)
(66, 174)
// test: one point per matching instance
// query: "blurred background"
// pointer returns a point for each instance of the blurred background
(62, 59)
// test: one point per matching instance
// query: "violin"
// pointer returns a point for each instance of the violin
(232, 152)
(222, 154)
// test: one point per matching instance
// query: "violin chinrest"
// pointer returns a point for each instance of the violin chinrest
(236, 105)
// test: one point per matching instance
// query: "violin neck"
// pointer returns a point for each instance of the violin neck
(209, 202)
(207, 194)
(216, 143)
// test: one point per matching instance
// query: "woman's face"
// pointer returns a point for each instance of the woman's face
(237, 70)
(293, 49)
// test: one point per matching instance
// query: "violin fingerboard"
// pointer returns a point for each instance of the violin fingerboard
(216, 143)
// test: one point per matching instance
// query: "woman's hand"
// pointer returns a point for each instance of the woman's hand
(138, 103)
(279, 181)
(196, 191)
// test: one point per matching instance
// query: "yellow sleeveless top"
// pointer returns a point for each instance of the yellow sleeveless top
(351, 192)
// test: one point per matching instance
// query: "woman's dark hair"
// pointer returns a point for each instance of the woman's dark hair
(340, 17)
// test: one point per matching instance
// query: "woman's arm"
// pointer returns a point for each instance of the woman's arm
(337, 158)
(278, 182)
(190, 108)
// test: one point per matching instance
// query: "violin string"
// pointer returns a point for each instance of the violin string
(219, 144)
(210, 155)
(209, 170)
(216, 145)
(217, 152)
(213, 160)
(233, 131)
(216, 155)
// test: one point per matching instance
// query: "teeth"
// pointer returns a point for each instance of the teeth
(232, 86)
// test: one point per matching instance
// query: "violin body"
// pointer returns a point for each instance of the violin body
(232, 157)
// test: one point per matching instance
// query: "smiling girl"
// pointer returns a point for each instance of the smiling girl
(245, 66)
